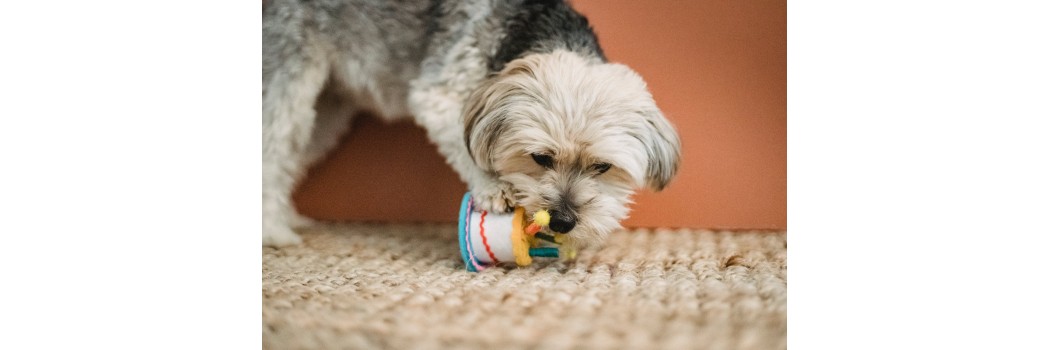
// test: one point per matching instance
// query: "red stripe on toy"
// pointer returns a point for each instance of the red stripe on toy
(485, 240)
(470, 245)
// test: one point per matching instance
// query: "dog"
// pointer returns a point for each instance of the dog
(517, 95)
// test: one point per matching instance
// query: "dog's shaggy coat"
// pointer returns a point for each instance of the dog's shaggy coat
(517, 95)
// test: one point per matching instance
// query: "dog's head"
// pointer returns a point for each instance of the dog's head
(574, 136)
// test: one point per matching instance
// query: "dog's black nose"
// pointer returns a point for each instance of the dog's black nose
(562, 222)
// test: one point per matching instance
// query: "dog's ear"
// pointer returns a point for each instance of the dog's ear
(663, 148)
(478, 143)
(485, 114)
(648, 125)
(483, 121)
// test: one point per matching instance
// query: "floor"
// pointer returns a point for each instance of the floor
(405, 287)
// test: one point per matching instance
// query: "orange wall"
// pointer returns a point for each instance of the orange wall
(716, 68)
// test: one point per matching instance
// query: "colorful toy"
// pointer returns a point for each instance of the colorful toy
(488, 239)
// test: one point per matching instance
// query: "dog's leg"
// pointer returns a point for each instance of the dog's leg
(294, 72)
(334, 113)
(440, 114)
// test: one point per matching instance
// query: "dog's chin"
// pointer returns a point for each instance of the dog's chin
(600, 216)
(592, 233)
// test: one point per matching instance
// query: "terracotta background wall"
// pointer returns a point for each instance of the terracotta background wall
(716, 68)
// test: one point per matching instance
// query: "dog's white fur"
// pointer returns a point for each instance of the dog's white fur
(575, 108)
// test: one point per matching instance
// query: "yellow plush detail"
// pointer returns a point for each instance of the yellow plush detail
(518, 240)
(542, 218)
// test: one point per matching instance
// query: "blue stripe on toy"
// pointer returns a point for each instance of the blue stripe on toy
(464, 218)
(544, 252)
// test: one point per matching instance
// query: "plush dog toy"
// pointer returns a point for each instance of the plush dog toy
(488, 239)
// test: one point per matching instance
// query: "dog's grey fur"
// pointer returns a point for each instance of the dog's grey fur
(492, 82)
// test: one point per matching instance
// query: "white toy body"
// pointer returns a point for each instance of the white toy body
(490, 237)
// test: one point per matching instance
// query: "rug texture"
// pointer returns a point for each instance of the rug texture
(370, 286)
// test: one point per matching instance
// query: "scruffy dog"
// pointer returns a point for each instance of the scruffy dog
(517, 95)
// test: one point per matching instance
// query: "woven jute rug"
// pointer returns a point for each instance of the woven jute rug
(367, 286)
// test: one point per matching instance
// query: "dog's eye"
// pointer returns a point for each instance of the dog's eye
(542, 159)
(602, 167)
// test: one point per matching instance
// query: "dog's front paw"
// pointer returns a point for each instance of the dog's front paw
(279, 236)
(497, 197)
